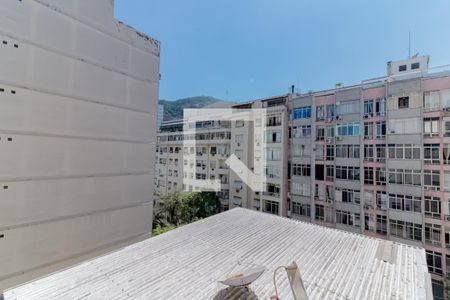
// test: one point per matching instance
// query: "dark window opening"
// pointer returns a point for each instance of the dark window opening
(403, 102)
(16, 46)
(5, 43)
(320, 172)
(13, 92)
(402, 68)
(415, 66)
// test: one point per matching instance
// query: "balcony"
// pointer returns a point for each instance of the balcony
(272, 194)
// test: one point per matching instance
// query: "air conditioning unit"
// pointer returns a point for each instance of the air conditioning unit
(329, 140)
(447, 217)
(446, 109)
(338, 118)
(239, 144)
(339, 138)
(329, 120)
(366, 116)
(288, 213)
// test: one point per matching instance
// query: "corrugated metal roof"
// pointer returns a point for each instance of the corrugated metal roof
(187, 263)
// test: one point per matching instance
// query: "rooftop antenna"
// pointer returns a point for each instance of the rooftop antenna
(409, 47)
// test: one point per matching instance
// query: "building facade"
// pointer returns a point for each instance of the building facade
(373, 158)
(78, 91)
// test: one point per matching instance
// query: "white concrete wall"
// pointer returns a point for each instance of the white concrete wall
(78, 99)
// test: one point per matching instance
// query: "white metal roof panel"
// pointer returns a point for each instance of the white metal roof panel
(187, 263)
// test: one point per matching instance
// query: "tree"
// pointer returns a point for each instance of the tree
(182, 208)
(171, 204)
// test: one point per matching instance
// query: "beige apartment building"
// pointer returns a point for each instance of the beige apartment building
(78, 91)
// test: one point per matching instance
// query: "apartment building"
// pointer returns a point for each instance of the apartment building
(78, 91)
(185, 160)
(246, 145)
(374, 159)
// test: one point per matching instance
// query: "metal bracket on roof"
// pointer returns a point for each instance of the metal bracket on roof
(385, 252)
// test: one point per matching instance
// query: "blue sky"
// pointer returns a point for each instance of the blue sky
(258, 48)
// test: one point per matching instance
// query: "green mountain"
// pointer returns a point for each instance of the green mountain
(174, 109)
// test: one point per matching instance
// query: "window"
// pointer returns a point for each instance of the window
(348, 218)
(302, 131)
(301, 189)
(301, 113)
(347, 173)
(320, 172)
(446, 154)
(330, 173)
(272, 172)
(381, 153)
(301, 170)
(405, 203)
(368, 130)
(301, 209)
(432, 207)
(330, 152)
(301, 150)
(273, 154)
(402, 68)
(380, 131)
(239, 123)
(320, 213)
(380, 176)
(431, 153)
(273, 136)
(431, 180)
(320, 113)
(348, 196)
(347, 107)
(431, 126)
(272, 190)
(273, 120)
(320, 133)
(406, 230)
(368, 175)
(433, 234)
(368, 152)
(431, 101)
(271, 207)
(403, 151)
(347, 151)
(438, 289)
(348, 129)
(382, 200)
(369, 223)
(403, 102)
(434, 262)
(380, 107)
(415, 66)
(368, 107)
(447, 181)
(330, 111)
(405, 126)
(330, 131)
(408, 177)
(446, 127)
(381, 224)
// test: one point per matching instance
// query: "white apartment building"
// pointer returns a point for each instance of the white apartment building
(183, 160)
(78, 91)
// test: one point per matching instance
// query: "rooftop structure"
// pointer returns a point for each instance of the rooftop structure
(188, 262)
